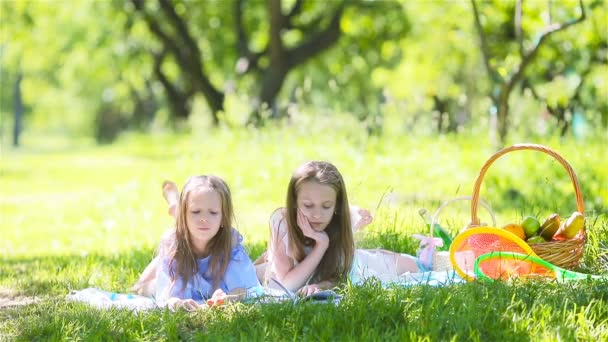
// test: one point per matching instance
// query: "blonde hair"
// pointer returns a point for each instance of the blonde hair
(182, 261)
(338, 259)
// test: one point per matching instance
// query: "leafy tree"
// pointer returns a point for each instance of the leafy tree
(368, 45)
(437, 79)
(266, 40)
(75, 71)
(573, 73)
(80, 72)
(505, 67)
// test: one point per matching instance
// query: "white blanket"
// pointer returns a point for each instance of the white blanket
(105, 300)
(432, 278)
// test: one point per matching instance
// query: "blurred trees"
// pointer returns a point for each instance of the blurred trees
(446, 76)
(18, 104)
(267, 40)
(76, 69)
(437, 77)
(370, 41)
(568, 77)
(508, 58)
(98, 68)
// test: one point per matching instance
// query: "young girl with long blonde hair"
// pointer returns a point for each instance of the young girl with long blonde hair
(204, 253)
(311, 247)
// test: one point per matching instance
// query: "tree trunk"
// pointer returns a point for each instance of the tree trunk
(441, 108)
(501, 101)
(18, 123)
(560, 113)
(215, 100)
(502, 107)
(284, 59)
(271, 85)
(180, 42)
(200, 82)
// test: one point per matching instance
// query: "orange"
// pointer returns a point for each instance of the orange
(516, 229)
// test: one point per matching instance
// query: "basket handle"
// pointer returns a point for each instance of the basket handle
(434, 218)
(577, 189)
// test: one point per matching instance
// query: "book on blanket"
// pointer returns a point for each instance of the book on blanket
(324, 295)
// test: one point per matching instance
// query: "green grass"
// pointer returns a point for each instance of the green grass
(75, 216)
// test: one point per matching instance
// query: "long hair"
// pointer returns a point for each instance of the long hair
(338, 259)
(182, 259)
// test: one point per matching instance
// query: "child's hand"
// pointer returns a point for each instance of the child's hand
(365, 218)
(188, 304)
(236, 295)
(218, 298)
(309, 290)
(304, 224)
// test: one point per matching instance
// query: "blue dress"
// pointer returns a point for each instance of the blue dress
(240, 273)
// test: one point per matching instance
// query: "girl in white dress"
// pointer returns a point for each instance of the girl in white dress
(311, 245)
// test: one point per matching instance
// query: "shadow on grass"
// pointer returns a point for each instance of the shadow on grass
(59, 274)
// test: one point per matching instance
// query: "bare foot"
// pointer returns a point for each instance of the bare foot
(364, 219)
(171, 195)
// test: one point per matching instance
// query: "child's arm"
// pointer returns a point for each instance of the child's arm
(170, 293)
(314, 288)
(167, 290)
(145, 284)
(240, 272)
(294, 277)
(175, 303)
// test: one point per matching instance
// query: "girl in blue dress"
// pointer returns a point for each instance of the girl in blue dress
(203, 253)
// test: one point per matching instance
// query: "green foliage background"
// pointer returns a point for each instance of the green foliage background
(94, 56)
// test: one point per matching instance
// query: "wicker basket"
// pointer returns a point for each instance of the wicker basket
(566, 254)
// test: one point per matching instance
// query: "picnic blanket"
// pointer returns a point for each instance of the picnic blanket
(102, 299)
(105, 299)
(431, 278)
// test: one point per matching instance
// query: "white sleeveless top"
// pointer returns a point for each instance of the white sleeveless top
(367, 263)
(279, 238)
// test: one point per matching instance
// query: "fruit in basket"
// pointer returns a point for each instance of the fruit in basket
(531, 226)
(536, 239)
(516, 229)
(575, 223)
(550, 227)
(571, 227)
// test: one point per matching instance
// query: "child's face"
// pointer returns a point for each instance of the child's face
(317, 202)
(204, 215)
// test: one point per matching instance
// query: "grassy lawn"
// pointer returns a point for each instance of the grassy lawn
(76, 215)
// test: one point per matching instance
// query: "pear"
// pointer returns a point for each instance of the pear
(575, 223)
(550, 227)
